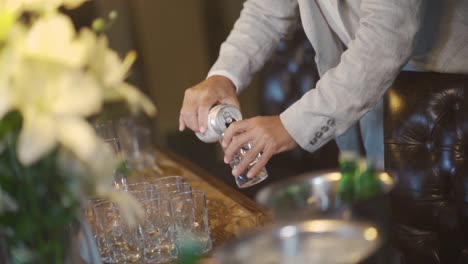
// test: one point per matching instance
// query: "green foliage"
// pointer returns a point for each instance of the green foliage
(42, 220)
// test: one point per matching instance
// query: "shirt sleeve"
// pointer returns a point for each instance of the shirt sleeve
(383, 43)
(255, 35)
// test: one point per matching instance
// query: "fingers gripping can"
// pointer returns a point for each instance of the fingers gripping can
(219, 119)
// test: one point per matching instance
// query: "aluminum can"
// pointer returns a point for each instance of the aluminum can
(219, 118)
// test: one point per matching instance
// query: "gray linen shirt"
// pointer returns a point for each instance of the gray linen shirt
(361, 47)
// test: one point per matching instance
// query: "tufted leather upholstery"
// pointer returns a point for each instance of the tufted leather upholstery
(426, 145)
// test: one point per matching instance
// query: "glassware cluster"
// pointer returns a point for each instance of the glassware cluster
(176, 216)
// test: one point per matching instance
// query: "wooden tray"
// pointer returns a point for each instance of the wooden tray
(230, 212)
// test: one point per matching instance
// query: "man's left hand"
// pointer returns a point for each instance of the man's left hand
(267, 135)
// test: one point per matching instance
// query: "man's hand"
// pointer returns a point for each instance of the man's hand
(267, 135)
(200, 98)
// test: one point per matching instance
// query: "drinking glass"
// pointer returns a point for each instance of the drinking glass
(242, 180)
(159, 232)
(105, 129)
(96, 229)
(123, 241)
(167, 180)
(168, 190)
(191, 222)
(137, 145)
(145, 195)
(120, 178)
(141, 186)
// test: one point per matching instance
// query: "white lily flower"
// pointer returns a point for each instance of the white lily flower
(51, 89)
(53, 107)
(56, 78)
(111, 72)
(37, 137)
(136, 99)
(43, 42)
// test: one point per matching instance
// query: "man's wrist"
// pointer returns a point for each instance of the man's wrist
(223, 79)
(234, 81)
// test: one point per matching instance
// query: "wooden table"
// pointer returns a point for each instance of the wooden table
(230, 212)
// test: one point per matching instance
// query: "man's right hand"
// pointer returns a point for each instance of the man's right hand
(200, 98)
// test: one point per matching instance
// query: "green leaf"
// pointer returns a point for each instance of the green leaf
(11, 122)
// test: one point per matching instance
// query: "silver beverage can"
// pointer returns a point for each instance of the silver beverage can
(219, 117)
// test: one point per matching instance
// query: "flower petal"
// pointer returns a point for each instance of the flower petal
(5, 101)
(77, 94)
(6, 61)
(44, 43)
(113, 71)
(37, 136)
(78, 136)
(130, 208)
(135, 98)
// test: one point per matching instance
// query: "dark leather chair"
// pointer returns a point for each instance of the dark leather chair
(426, 145)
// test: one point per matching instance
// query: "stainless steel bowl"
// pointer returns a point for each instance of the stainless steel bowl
(309, 195)
(308, 242)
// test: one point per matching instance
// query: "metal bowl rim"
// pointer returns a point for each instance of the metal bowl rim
(227, 247)
(264, 194)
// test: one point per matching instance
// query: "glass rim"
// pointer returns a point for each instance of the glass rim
(139, 183)
(169, 177)
(165, 185)
(99, 205)
(146, 184)
(167, 180)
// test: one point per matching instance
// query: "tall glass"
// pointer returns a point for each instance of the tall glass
(137, 145)
(105, 129)
(242, 180)
(158, 231)
(120, 178)
(169, 190)
(96, 228)
(191, 221)
(167, 180)
(123, 241)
